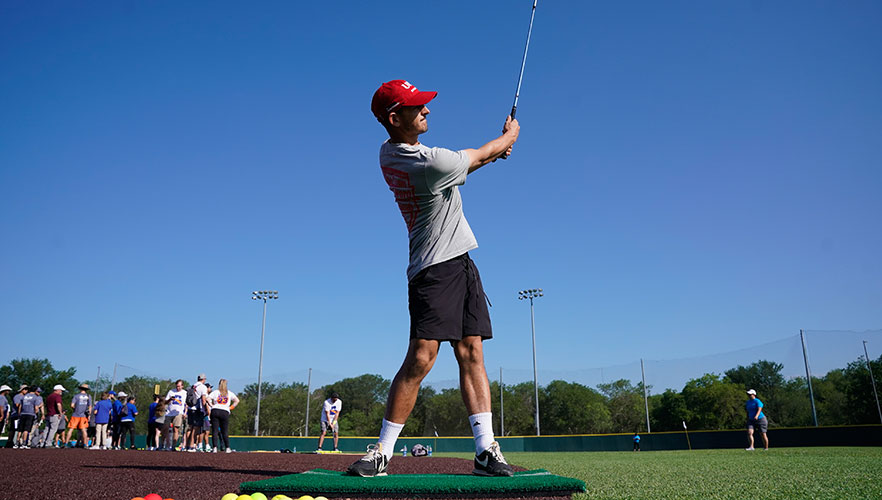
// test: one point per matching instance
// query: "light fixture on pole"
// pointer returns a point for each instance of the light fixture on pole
(263, 295)
(531, 294)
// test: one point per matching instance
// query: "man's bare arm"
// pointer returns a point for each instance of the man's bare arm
(495, 148)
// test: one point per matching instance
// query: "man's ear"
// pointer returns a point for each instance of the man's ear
(393, 119)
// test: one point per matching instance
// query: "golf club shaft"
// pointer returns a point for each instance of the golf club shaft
(514, 107)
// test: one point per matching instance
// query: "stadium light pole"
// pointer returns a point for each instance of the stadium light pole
(531, 294)
(263, 295)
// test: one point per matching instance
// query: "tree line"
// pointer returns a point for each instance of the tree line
(711, 402)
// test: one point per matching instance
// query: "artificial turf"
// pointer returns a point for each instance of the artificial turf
(782, 473)
(335, 483)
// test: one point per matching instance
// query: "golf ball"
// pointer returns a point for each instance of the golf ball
(230, 496)
(243, 497)
(258, 496)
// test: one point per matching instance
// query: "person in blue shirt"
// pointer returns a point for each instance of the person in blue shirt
(152, 424)
(103, 410)
(756, 420)
(118, 401)
(127, 423)
(636, 442)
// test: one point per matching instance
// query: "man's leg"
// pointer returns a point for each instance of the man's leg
(51, 430)
(188, 436)
(99, 436)
(766, 440)
(473, 382)
(475, 388)
(322, 439)
(749, 439)
(419, 360)
(420, 357)
(337, 437)
(177, 421)
(10, 438)
(35, 434)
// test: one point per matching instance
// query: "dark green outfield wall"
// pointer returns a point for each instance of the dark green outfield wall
(863, 435)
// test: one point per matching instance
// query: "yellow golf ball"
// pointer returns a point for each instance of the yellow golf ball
(258, 496)
(243, 497)
(306, 497)
(230, 496)
(281, 497)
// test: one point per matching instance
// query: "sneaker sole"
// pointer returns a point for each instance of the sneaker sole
(479, 472)
(379, 474)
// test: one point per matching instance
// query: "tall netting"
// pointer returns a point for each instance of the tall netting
(706, 391)
(833, 349)
(826, 350)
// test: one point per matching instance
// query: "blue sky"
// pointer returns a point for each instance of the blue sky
(691, 178)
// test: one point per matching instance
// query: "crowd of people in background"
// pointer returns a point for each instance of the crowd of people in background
(192, 419)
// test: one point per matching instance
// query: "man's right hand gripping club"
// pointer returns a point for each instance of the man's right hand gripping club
(500, 147)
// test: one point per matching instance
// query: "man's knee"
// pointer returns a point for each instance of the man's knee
(420, 358)
(469, 350)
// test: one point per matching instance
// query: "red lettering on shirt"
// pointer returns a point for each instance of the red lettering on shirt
(405, 194)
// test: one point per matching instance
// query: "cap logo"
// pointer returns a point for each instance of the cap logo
(406, 86)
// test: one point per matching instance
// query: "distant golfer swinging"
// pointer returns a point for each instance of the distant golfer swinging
(330, 416)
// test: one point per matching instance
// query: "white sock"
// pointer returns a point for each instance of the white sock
(388, 436)
(482, 428)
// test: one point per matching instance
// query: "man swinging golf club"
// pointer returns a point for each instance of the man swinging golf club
(445, 294)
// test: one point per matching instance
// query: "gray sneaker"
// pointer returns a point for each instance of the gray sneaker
(374, 463)
(491, 463)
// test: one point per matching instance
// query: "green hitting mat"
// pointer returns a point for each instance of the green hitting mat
(537, 482)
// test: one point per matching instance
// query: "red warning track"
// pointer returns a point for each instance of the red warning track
(122, 475)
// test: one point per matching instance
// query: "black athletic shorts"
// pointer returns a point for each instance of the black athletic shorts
(195, 418)
(447, 302)
(25, 422)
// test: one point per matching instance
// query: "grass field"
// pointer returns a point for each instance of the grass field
(783, 473)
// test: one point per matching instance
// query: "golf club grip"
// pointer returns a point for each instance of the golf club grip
(514, 109)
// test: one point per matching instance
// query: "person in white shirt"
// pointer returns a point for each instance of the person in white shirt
(222, 402)
(330, 414)
(177, 409)
(196, 415)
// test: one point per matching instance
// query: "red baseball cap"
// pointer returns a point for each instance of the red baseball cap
(396, 93)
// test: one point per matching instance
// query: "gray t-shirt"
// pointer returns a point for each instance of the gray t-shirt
(16, 400)
(424, 181)
(29, 404)
(81, 402)
(4, 403)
